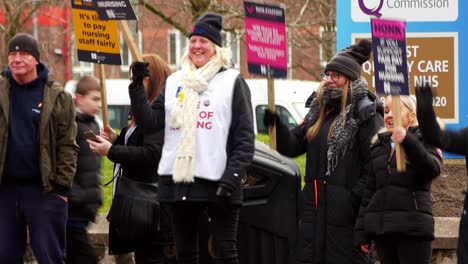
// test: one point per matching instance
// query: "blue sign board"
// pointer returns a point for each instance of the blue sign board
(436, 34)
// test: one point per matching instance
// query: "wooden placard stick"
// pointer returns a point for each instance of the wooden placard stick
(400, 153)
(102, 84)
(128, 37)
(271, 106)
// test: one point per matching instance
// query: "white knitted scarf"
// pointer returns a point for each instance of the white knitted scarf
(184, 115)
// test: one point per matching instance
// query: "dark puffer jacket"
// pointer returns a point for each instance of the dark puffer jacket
(399, 202)
(85, 196)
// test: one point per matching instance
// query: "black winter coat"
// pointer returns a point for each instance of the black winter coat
(139, 161)
(239, 147)
(399, 202)
(331, 202)
(85, 196)
(455, 141)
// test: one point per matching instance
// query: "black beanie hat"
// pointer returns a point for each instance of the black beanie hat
(209, 26)
(24, 42)
(349, 60)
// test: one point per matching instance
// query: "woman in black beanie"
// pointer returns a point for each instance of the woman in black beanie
(206, 113)
(336, 136)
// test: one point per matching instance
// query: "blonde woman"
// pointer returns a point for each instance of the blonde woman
(336, 136)
(396, 209)
(206, 113)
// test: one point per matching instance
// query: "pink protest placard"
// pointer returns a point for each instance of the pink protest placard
(266, 41)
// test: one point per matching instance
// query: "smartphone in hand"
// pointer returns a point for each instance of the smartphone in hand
(90, 135)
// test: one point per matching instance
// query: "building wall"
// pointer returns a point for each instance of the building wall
(154, 34)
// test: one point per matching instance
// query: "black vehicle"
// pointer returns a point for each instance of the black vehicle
(270, 213)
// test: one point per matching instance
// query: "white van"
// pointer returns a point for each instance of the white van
(290, 99)
(118, 100)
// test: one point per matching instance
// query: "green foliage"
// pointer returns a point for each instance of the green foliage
(107, 168)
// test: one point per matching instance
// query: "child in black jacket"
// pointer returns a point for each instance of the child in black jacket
(85, 195)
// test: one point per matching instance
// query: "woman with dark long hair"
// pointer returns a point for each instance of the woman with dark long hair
(136, 154)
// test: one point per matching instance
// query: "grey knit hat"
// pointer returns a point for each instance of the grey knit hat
(24, 42)
(209, 26)
(349, 60)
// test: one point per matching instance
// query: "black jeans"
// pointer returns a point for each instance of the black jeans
(224, 221)
(153, 253)
(403, 250)
(79, 248)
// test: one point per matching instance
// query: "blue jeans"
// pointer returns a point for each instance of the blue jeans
(43, 214)
(224, 220)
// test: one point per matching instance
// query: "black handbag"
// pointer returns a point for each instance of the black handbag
(133, 216)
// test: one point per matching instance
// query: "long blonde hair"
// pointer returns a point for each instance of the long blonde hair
(314, 129)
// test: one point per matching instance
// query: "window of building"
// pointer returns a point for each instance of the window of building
(79, 68)
(231, 41)
(177, 43)
(125, 53)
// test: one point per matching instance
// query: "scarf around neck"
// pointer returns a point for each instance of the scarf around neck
(344, 129)
(184, 115)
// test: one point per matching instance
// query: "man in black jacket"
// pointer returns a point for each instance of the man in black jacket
(451, 141)
(85, 196)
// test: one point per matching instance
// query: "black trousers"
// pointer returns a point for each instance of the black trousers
(224, 221)
(79, 248)
(154, 253)
(403, 250)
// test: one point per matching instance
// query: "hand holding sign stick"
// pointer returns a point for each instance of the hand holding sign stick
(399, 152)
(391, 70)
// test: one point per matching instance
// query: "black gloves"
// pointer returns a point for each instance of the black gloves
(270, 118)
(223, 195)
(139, 72)
(424, 99)
(426, 115)
(223, 191)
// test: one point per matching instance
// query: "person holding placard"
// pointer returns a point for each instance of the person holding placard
(137, 221)
(336, 135)
(396, 208)
(454, 141)
(206, 113)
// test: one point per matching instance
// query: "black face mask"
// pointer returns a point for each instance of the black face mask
(332, 96)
